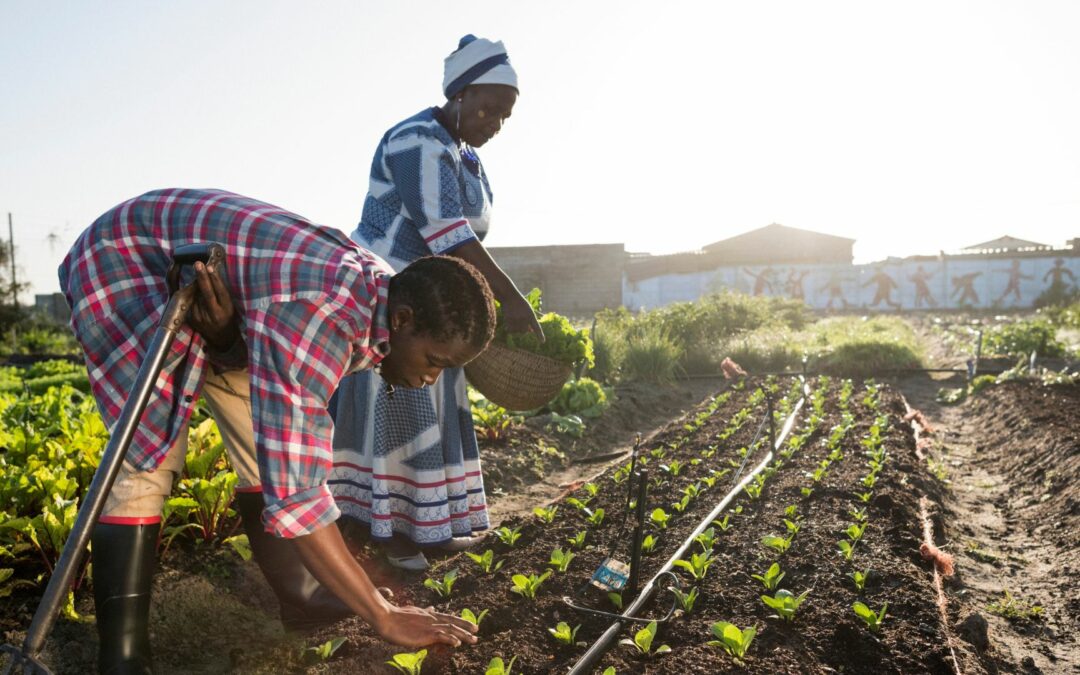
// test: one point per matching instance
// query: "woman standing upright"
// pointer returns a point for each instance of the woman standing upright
(406, 461)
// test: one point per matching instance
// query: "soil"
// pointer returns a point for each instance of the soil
(1012, 519)
(826, 635)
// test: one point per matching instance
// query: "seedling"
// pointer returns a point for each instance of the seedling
(685, 600)
(442, 588)
(778, 544)
(752, 490)
(771, 579)
(680, 505)
(643, 641)
(648, 543)
(698, 564)
(508, 536)
(1014, 608)
(527, 586)
(577, 503)
(563, 633)
(847, 549)
(673, 468)
(864, 496)
(546, 515)
(409, 662)
(497, 667)
(616, 599)
(660, 518)
(792, 526)
(591, 488)
(692, 490)
(785, 603)
(560, 560)
(807, 492)
(723, 523)
(869, 480)
(854, 532)
(486, 561)
(323, 652)
(791, 511)
(474, 619)
(658, 453)
(706, 539)
(578, 540)
(858, 514)
(594, 518)
(872, 620)
(732, 640)
(860, 579)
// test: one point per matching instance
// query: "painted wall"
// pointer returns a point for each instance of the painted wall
(950, 283)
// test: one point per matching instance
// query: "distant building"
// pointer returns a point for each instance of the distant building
(1006, 245)
(54, 306)
(576, 281)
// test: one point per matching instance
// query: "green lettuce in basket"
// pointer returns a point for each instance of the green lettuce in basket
(562, 341)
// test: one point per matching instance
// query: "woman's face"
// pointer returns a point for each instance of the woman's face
(484, 110)
(415, 359)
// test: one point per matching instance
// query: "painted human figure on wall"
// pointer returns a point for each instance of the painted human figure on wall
(835, 287)
(763, 280)
(1056, 274)
(885, 286)
(1014, 282)
(922, 289)
(964, 286)
(793, 286)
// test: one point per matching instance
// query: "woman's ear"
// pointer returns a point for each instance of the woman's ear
(401, 317)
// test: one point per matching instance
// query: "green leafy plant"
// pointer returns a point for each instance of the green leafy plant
(527, 586)
(563, 633)
(855, 531)
(578, 540)
(643, 641)
(648, 543)
(616, 599)
(847, 549)
(560, 559)
(577, 503)
(707, 539)
(859, 515)
(778, 544)
(723, 523)
(680, 505)
(864, 496)
(408, 662)
(442, 588)
(323, 652)
(698, 565)
(496, 666)
(732, 640)
(870, 618)
(486, 561)
(673, 468)
(474, 619)
(562, 341)
(685, 601)
(772, 577)
(583, 396)
(594, 518)
(859, 578)
(1014, 608)
(785, 603)
(660, 518)
(508, 536)
(792, 526)
(807, 492)
(546, 515)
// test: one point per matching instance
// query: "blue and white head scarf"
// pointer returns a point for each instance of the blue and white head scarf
(477, 61)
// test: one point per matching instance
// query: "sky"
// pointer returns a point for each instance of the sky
(911, 127)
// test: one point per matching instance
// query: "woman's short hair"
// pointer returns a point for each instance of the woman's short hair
(449, 299)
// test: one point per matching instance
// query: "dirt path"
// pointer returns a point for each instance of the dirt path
(1010, 518)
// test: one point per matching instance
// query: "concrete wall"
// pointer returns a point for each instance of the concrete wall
(575, 280)
(952, 282)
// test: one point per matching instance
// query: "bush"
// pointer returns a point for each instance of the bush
(651, 355)
(1021, 338)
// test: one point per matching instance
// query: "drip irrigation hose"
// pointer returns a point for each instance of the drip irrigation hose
(585, 664)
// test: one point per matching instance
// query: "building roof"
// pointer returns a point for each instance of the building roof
(776, 232)
(1005, 244)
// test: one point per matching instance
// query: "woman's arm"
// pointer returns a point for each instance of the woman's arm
(517, 311)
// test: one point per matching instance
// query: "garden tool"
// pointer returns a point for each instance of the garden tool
(25, 661)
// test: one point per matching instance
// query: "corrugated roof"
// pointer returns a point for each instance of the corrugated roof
(1006, 243)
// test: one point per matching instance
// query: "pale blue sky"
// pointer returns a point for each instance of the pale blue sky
(910, 127)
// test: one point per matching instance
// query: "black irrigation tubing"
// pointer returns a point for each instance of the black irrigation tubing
(603, 643)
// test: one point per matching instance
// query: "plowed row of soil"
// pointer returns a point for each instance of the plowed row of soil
(826, 635)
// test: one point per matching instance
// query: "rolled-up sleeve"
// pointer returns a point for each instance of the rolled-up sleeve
(298, 355)
(425, 173)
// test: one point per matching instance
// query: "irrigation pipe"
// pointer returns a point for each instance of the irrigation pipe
(603, 643)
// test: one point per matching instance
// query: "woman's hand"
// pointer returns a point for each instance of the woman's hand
(213, 315)
(415, 627)
(520, 317)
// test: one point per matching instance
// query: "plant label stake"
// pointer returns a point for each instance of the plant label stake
(639, 529)
(772, 422)
(611, 575)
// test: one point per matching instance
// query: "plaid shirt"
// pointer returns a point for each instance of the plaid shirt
(313, 308)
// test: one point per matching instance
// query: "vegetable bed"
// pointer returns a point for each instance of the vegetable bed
(849, 441)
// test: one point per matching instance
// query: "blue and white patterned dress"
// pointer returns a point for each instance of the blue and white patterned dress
(410, 464)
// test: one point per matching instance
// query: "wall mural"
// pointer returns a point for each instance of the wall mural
(951, 283)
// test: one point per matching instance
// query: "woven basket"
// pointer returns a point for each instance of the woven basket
(516, 379)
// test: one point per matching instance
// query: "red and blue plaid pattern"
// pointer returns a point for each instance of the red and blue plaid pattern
(313, 308)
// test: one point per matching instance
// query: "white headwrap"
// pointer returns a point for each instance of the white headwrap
(477, 61)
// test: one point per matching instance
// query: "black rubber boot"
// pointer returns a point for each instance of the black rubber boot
(123, 567)
(305, 603)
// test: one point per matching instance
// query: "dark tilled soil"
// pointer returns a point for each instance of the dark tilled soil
(826, 635)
